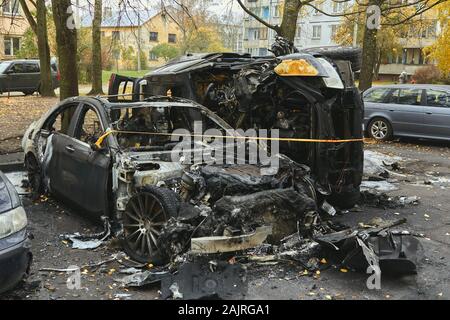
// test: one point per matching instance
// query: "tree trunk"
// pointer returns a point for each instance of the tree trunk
(97, 86)
(288, 26)
(66, 40)
(376, 72)
(39, 27)
(46, 84)
(369, 55)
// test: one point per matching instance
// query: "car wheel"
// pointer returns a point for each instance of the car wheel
(34, 173)
(27, 93)
(380, 129)
(143, 219)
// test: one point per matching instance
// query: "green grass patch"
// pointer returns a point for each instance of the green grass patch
(129, 73)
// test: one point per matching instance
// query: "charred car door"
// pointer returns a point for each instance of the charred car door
(122, 88)
(83, 171)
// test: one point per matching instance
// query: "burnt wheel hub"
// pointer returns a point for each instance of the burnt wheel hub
(143, 220)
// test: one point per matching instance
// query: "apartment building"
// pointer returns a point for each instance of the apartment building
(410, 57)
(317, 29)
(13, 25)
(313, 29)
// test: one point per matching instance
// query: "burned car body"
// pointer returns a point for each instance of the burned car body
(15, 255)
(307, 95)
(115, 160)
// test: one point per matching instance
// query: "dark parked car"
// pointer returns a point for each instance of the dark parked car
(15, 255)
(304, 94)
(421, 111)
(24, 76)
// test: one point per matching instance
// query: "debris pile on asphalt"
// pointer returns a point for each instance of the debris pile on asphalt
(234, 218)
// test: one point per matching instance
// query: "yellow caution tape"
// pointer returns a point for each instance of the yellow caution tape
(107, 133)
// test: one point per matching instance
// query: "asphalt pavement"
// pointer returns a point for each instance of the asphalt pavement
(424, 172)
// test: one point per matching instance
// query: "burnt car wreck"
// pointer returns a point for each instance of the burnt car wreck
(125, 162)
(308, 94)
(115, 160)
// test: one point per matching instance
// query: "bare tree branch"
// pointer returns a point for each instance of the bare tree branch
(28, 15)
(268, 25)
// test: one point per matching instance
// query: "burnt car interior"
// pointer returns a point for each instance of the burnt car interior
(152, 127)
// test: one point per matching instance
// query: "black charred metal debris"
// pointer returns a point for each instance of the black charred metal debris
(392, 251)
(235, 200)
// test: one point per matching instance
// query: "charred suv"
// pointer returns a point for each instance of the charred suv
(306, 94)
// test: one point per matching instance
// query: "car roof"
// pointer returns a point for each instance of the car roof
(27, 60)
(23, 60)
(416, 86)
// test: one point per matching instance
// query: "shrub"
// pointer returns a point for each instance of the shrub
(428, 74)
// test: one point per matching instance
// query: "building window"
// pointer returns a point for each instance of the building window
(116, 35)
(10, 6)
(318, 6)
(152, 56)
(334, 29)
(276, 11)
(317, 32)
(263, 34)
(153, 36)
(298, 32)
(172, 38)
(431, 30)
(255, 11)
(338, 7)
(265, 12)
(253, 34)
(12, 46)
(262, 52)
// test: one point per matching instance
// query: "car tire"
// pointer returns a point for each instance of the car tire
(28, 93)
(380, 129)
(35, 178)
(354, 55)
(144, 216)
(345, 200)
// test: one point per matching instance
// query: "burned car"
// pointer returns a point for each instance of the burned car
(308, 95)
(15, 255)
(116, 160)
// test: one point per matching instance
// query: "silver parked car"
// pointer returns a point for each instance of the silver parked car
(408, 110)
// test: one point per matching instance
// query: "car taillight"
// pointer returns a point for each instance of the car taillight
(58, 76)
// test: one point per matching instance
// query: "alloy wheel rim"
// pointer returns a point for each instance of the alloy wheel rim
(379, 129)
(144, 218)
